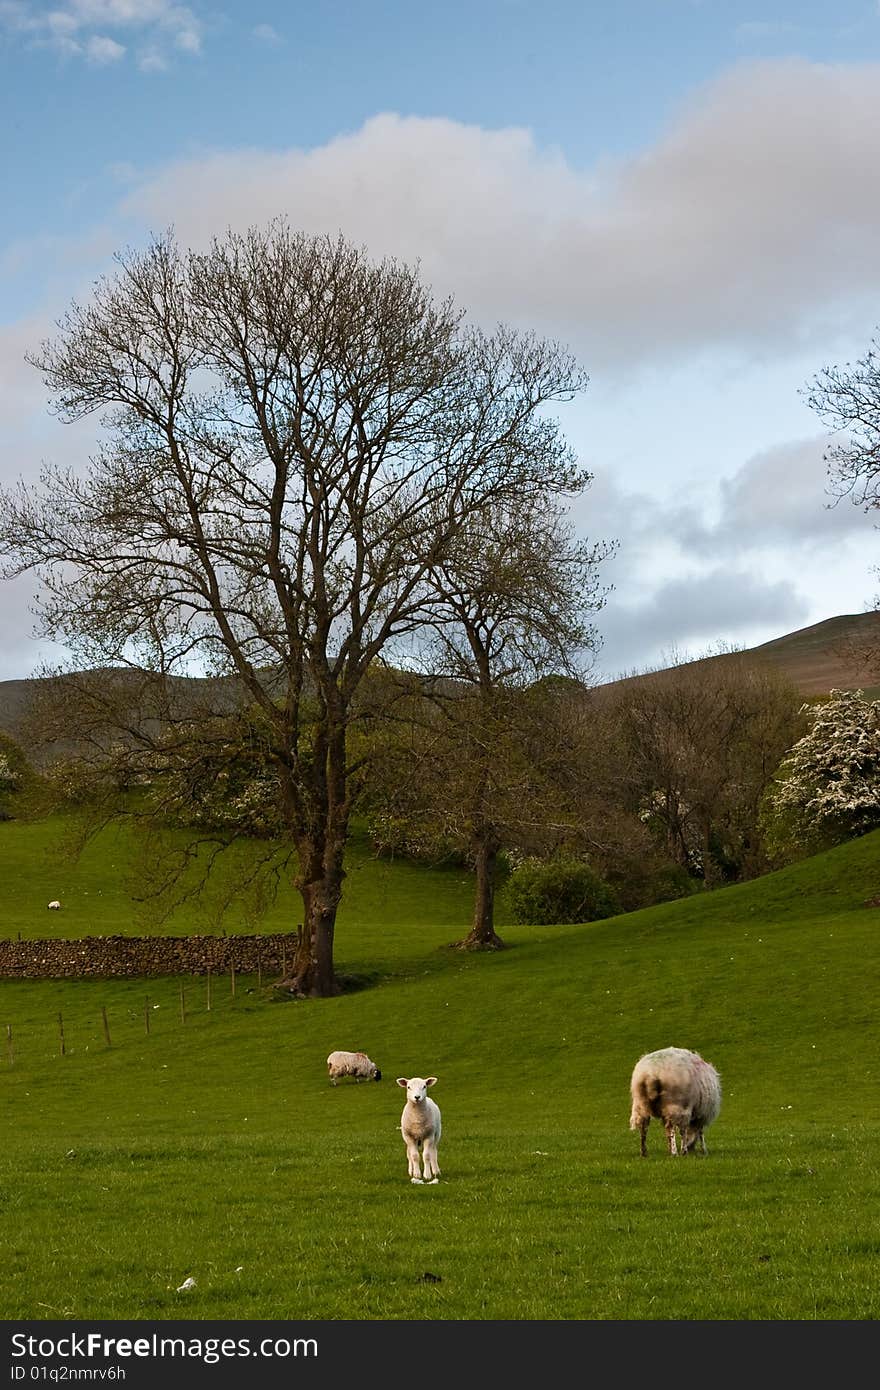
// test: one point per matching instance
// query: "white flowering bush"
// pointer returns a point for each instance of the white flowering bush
(827, 789)
(9, 776)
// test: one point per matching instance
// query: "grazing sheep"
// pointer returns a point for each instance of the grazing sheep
(54, 905)
(356, 1064)
(420, 1127)
(679, 1088)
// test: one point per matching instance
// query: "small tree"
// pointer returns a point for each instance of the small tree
(510, 604)
(298, 437)
(828, 787)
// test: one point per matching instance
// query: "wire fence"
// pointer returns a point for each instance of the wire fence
(166, 1004)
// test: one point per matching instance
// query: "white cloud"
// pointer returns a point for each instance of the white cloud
(152, 61)
(101, 50)
(267, 34)
(69, 27)
(780, 494)
(749, 223)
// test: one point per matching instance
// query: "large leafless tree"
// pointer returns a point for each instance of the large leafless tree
(297, 438)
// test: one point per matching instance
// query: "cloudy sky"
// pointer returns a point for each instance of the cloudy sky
(685, 192)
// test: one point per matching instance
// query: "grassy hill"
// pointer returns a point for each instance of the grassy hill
(96, 889)
(215, 1148)
(840, 653)
(828, 655)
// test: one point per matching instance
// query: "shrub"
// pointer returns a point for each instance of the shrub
(559, 890)
(827, 789)
(20, 785)
(643, 881)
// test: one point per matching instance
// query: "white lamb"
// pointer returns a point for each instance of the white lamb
(54, 905)
(420, 1127)
(356, 1064)
(681, 1089)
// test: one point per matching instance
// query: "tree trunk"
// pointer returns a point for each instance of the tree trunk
(482, 936)
(311, 973)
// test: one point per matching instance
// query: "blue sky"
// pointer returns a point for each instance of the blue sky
(686, 193)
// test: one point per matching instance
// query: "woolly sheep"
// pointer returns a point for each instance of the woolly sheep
(681, 1089)
(420, 1127)
(54, 905)
(356, 1064)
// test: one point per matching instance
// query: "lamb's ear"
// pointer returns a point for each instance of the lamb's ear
(430, 1080)
(402, 1081)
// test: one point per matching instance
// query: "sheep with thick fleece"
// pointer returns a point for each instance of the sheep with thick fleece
(420, 1127)
(54, 905)
(680, 1088)
(356, 1064)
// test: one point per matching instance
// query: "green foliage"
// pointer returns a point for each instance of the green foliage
(827, 789)
(559, 890)
(420, 839)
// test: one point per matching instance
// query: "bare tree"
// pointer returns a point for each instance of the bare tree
(847, 400)
(297, 439)
(473, 768)
(696, 746)
(513, 599)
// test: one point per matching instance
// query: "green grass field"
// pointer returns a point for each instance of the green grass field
(216, 1149)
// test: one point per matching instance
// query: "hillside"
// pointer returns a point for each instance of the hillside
(136, 698)
(214, 1149)
(839, 653)
(835, 654)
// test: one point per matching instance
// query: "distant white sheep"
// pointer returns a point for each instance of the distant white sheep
(54, 905)
(681, 1089)
(420, 1127)
(356, 1064)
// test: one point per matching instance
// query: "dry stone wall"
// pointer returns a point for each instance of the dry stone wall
(121, 956)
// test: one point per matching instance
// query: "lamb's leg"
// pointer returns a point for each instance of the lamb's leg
(429, 1160)
(702, 1141)
(412, 1153)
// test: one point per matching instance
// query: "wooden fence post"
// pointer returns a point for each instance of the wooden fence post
(106, 1025)
(209, 990)
(232, 978)
(147, 1015)
(61, 1032)
(182, 1003)
(10, 1053)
